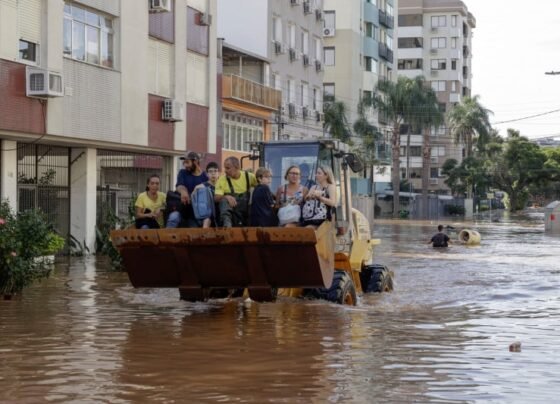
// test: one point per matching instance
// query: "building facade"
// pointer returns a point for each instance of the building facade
(435, 41)
(249, 106)
(97, 94)
(289, 34)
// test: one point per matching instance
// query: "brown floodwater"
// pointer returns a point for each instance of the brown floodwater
(85, 335)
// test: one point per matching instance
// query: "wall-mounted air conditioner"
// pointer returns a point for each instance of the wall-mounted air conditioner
(305, 112)
(158, 6)
(318, 65)
(295, 2)
(318, 14)
(433, 160)
(43, 83)
(328, 32)
(433, 181)
(291, 110)
(172, 110)
(279, 48)
(306, 60)
(204, 19)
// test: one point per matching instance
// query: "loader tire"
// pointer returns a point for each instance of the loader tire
(342, 290)
(376, 279)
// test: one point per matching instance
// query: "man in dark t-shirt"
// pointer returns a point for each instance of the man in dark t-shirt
(440, 239)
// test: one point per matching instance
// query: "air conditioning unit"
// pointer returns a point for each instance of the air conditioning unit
(433, 51)
(43, 83)
(318, 65)
(433, 160)
(172, 110)
(328, 32)
(319, 116)
(434, 30)
(434, 73)
(305, 112)
(204, 19)
(279, 48)
(158, 6)
(433, 181)
(306, 7)
(318, 14)
(295, 2)
(306, 60)
(294, 54)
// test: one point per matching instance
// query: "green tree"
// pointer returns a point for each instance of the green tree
(520, 165)
(368, 135)
(469, 122)
(336, 121)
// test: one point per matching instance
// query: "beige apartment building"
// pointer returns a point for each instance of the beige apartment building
(435, 41)
(95, 95)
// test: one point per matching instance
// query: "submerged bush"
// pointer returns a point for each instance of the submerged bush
(23, 238)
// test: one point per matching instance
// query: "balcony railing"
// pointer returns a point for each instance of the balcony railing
(386, 19)
(241, 89)
(385, 52)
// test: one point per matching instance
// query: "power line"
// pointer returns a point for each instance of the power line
(527, 117)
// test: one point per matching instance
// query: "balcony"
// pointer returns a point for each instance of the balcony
(248, 91)
(385, 52)
(386, 19)
(383, 154)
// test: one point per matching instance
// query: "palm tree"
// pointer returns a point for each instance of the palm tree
(403, 102)
(335, 121)
(468, 122)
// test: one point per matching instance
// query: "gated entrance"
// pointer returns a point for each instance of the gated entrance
(43, 183)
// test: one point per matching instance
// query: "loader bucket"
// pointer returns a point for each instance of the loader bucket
(256, 258)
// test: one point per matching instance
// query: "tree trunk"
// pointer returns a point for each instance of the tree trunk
(426, 158)
(396, 168)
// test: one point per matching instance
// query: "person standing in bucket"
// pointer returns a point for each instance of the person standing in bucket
(440, 239)
(233, 191)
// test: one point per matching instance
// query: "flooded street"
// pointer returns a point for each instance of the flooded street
(85, 335)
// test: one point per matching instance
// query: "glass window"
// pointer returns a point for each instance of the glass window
(453, 20)
(438, 64)
(438, 85)
(410, 42)
(440, 42)
(28, 50)
(410, 20)
(328, 90)
(453, 64)
(329, 55)
(305, 42)
(409, 64)
(88, 36)
(329, 19)
(439, 21)
(454, 43)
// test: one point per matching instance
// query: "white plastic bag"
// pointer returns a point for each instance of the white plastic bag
(289, 214)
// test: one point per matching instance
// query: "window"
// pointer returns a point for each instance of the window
(453, 64)
(318, 50)
(439, 131)
(438, 64)
(305, 42)
(371, 30)
(415, 151)
(328, 91)
(438, 85)
(409, 64)
(454, 43)
(87, 36)
(434, 172)
(410, 20)
(439, 21)
(437, 151)
(304, 90)
(291, 91)
(367, 96)
(292, 30)
(28, 51)
(410, 42)
(442, 107)
(371, 64)
(277, 29)
(329, 18)
(439, 43)
(453, 20)
(453, 87)
(328, 55)
(239, 132)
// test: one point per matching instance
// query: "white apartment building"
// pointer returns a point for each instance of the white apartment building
(435, 41)
(288, 33)
(95, 95)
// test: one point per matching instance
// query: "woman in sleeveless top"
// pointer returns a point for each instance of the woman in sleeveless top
(320, 199)
(292, 192)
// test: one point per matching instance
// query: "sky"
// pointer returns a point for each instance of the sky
(514, 43)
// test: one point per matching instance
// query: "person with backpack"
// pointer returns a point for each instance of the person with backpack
(440, 239)
(233, 191)
(204, 206)
(188, 178)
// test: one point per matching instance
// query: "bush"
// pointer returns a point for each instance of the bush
(23, 238)
(455, 210)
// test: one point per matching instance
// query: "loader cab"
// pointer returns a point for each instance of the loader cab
(278, 156)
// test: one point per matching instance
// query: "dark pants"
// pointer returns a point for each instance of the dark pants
(237, 216)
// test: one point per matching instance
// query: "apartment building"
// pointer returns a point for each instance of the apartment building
(435, 41)
(289, 34)
(249, 106)
(95, 95)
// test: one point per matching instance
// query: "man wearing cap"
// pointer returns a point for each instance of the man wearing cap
(188, 178)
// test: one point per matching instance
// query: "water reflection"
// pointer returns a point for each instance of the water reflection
(85, 335)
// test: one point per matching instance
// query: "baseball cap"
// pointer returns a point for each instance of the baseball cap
(191, 156)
